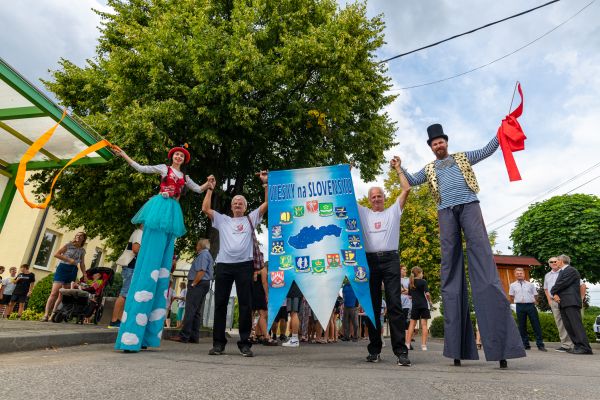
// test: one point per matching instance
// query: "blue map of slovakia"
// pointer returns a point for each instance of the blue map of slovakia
(309, 235)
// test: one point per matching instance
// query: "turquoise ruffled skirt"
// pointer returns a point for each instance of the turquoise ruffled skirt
(163, 214)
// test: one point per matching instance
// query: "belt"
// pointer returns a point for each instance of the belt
(383, 253)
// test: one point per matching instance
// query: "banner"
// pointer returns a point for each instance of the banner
(315, 239)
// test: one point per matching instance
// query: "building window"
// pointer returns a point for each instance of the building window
(97, 257)
(46, 249)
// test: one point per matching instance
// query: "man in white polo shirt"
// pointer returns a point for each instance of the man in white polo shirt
(524, 294)
(381, 230)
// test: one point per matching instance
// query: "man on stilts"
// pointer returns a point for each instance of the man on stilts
(454, 186)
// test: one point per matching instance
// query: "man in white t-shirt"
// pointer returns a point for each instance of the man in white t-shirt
(234, 264)
(381, 231)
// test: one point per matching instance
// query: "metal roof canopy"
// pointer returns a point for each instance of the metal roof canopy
(26, 113)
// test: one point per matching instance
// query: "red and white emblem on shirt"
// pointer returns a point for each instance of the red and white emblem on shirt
(378, 225)
(240, 227)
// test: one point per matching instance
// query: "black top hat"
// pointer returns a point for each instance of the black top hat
(435, 131)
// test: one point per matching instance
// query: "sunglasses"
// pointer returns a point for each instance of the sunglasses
(552, 262)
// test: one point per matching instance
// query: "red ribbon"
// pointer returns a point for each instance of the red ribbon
(512, 138)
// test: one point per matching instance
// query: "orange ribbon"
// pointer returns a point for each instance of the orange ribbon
(33, 150)
(512, 138)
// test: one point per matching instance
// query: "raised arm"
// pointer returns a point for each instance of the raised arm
(264, 178)
(144, 169)
(415, 179)
(206, 203)
(395, 164)
(475, 156)
(194, 187)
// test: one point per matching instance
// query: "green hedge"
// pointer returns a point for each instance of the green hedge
(40, 293)
(549, 330)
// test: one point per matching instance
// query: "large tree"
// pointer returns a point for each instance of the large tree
(249, 84)
(567, 224)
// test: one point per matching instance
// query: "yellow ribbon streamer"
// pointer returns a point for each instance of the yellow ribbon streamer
(34, 149)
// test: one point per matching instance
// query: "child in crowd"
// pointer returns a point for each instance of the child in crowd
(23, 287)
(8, 286)
(421, 299)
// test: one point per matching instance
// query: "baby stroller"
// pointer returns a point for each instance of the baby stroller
(84, 302)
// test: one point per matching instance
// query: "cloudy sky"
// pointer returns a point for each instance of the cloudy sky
(560, 75)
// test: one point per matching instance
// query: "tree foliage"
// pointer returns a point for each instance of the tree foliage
(567, 224)
(248, 84)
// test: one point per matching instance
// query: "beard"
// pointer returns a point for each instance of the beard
(441, 153)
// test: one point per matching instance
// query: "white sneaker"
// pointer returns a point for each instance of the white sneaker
(291, 343)
(423, 347)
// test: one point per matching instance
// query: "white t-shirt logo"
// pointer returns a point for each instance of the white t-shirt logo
(239, 228)
(378, 225)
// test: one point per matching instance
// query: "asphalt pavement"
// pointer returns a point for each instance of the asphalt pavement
(312, 371)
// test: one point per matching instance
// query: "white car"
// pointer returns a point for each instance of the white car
(597, 328)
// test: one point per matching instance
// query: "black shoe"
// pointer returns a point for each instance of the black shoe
(503, 364)
(456, 362)
(581, 351)
(354, 340)
(562, 349)
(195, 341)
(542, 348)
(216, 351)
(527, 347)
(246, 352)
(374, 358)
(344, 339)
(403, 360)
(283, 338)
(144, 347)
(178, 338)
(411, 347)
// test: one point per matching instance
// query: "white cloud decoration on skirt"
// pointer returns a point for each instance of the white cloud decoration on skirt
(143, 296)
(164, 273)
(157, 314)
(141, 319)
(129, 339)
(154, 275)
(124, 317)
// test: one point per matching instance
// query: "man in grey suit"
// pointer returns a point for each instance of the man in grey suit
(566, 293)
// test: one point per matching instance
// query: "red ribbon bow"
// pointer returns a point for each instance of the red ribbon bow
(512, 138)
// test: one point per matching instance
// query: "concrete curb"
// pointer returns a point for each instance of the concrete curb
(30, 339)
(26, 341)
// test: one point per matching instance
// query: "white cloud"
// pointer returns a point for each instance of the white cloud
(124, 317)
(143, 296)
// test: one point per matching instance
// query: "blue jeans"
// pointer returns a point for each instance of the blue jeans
(525, 310)
(127, 274)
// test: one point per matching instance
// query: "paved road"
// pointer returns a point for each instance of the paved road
(334, 371)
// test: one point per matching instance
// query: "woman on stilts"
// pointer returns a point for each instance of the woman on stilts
(145, 307)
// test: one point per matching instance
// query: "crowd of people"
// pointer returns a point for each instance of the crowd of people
(402, 298)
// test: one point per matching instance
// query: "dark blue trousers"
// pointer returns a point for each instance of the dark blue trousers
(525, 310)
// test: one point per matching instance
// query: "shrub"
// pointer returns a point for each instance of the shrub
(40, 293)
(114, 288)
(437, 327)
